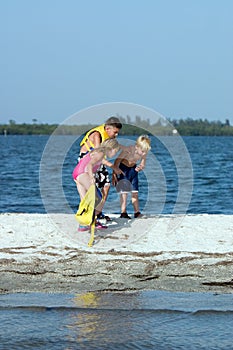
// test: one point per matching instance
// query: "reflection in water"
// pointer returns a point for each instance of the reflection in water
(89, 299)
(96, 322)
(85, 323)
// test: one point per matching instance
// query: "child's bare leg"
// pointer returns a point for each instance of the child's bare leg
(135, 202)
(99, 207)
(81, 190)
(83, 183)
(123, 200)
(105, 191)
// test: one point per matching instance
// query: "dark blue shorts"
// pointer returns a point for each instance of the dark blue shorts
(129, 181)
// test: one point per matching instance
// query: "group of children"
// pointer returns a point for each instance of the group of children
(99, 144)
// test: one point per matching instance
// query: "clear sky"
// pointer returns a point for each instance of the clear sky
(61, 56)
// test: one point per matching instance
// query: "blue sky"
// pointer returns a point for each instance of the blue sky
(61, 56)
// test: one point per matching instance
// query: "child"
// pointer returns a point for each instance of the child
(84, 172)
(128, 182)
(92, 139)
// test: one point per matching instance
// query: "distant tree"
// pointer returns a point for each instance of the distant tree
(128, 119)
(122, 119)
(138, 120)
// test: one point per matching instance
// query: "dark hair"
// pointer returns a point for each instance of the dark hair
(113, 121)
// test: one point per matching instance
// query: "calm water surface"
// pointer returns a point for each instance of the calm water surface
(145, 320)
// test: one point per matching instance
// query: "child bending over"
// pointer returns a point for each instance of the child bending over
(84, 172)
(128, 182)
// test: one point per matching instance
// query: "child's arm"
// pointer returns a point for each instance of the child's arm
(113, 166)
(107, 163)
(142, 165)
(116, 169)
(119, 159)
(95, 158)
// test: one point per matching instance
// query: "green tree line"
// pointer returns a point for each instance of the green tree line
(185, 127)
(190, 127)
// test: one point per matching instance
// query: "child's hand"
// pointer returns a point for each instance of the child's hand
(139, 167)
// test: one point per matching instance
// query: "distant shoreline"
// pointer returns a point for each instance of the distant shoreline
(186, 127)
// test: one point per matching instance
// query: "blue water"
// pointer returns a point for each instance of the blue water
(145, 320)
(207, 178)
(193, 177)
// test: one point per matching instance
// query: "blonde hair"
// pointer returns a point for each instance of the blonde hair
(143, 142)
(107, 145)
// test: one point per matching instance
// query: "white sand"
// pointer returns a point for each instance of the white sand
(24, 237)
(45, 253)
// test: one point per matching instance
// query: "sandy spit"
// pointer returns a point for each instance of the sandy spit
(46, 253)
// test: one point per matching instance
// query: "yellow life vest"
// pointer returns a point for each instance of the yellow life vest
(87, 142)
(85, 213)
